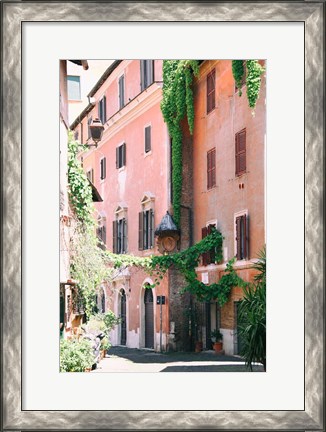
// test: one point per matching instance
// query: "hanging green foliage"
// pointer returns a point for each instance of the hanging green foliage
(80, 192)
(253, 78)
(253, 81)
(238, 73)
(177, 103)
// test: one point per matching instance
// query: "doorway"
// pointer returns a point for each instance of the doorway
(123, 318)
(149, 318)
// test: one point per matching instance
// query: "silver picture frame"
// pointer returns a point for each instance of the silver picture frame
(14, 13)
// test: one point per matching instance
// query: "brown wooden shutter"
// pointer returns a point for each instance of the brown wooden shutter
(141, 231)
(240, 152)
(114, 234)
(246, 236)
(204, 232)
(210, 91)
(238, 236)
(208, 170)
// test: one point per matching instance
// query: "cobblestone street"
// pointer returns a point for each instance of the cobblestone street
(122, 359)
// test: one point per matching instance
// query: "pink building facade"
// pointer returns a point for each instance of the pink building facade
(129, 168)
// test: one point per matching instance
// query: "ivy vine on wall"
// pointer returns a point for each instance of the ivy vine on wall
(254, 70)
(177, 103)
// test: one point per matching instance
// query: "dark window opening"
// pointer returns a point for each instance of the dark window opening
(102, 110)
(146, 73)
(242, 236)
(209, 256)
(103, 168)
(148, 144)
(90, 175)
(121, 156)
(120, 236)
(146, 230)
(101, 235)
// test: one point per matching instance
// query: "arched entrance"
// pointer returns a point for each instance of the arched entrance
(149, 318)
(123, 318)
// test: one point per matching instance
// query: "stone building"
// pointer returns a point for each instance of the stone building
(228, 185)
(223, 185)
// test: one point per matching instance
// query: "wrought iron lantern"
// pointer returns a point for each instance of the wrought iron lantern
(96, 131)
(168, 234)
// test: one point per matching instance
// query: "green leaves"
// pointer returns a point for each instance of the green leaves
(76, 355)
(252, 316)
(238, 73)
(80, 192)
(177, 103)
(253, 79)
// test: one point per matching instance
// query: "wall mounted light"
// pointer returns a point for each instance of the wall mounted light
(96, 131)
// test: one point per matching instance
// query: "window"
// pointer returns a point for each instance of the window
(211, 168)
(120, 236)
(240, 152)
(90, 175)
(146, 73)
(121, 91)
(101, 232)
(89, 122)
(148, 144)
(102, 109)
(210, 91)
(242, 236)
(121, 156)
(76, 135)
(103, 168)
(73, 88)
(146, 229)
(209, 256)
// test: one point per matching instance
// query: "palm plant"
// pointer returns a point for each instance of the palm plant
(252, 316)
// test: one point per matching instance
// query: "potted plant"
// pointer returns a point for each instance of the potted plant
(105, 345)
(217, 339)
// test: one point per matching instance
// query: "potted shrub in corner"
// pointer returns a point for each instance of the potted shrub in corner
(217, 339)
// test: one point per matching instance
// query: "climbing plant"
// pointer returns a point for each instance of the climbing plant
(238, 73)
(80, 192)
(253, 78)
(177, 103)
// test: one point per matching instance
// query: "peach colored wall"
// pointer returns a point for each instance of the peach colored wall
(217, 129)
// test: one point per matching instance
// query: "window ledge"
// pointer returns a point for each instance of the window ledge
(148, 153)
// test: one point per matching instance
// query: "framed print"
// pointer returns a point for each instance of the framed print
(289, 36)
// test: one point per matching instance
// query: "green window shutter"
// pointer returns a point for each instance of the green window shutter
(141, 231)
(114, 235)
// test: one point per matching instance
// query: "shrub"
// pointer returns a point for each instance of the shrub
(76, 355)
(252, 316)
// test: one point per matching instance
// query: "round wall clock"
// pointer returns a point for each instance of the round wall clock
(169, 243)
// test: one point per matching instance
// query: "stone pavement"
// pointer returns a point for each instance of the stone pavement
(122, 359)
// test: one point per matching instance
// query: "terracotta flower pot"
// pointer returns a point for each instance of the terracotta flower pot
(218, 346)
